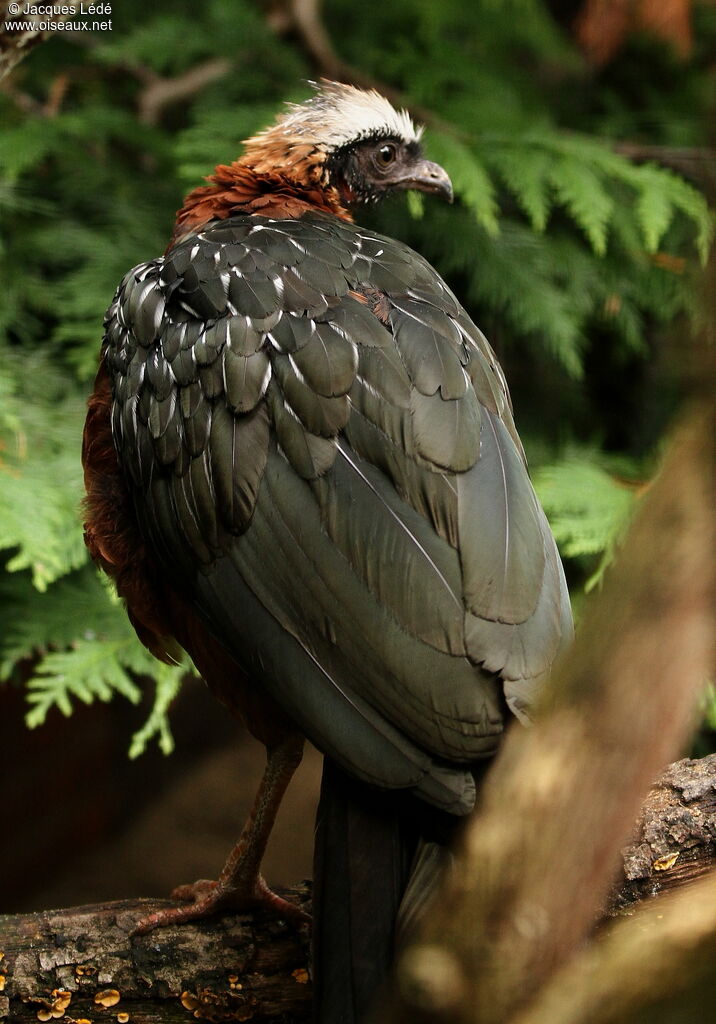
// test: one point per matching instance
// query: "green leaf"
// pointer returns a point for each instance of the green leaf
(655, 210)
(76, 606)
(89, 671)
(708, 705)
(525, 171)
(581, 190)
(416, 205)
(648, 179)
(168, 680)
(216, 138)
(588, 509)
(40, 470)
(471, 182)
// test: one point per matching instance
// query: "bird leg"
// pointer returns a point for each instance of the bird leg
(240, 886)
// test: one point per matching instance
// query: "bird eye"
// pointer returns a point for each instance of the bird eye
(386, 154)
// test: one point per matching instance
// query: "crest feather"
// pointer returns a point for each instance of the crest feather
(339, 114)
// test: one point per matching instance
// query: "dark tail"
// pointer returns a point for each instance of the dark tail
(370, 845)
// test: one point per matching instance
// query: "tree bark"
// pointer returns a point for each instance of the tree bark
(256, 967)
(674, 840)
(84, 965)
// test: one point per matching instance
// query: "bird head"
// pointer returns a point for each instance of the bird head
(349, 140)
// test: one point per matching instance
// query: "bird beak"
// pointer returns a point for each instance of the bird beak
(426, 176)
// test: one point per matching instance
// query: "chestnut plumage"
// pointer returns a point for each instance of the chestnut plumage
(302, 467)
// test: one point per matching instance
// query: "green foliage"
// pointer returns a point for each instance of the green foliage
(623, 211)
(40, 428)
(576, 261)
(167, 679)
(470, 179)
(709, 706)
(82, 648)
(588, 509)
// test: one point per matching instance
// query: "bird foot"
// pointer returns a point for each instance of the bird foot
(205, 898)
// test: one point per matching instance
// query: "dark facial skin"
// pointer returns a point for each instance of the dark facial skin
(369, 170)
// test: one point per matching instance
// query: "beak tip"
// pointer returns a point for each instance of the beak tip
(426, 177)
(437, 180)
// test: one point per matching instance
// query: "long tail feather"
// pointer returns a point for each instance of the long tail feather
(377, 858)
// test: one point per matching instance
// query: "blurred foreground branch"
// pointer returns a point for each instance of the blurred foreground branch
(528, 884)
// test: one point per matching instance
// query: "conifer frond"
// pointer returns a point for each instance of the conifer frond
(167, 681)
(87, 671)
(470, 180)
(580, 188)
(587, 507)
(525, 172)
(40, 472)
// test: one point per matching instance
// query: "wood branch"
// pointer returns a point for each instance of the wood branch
(240, 967)
(18, 36)
(674, 841)
(160, 93)
(83, 964)
(302, 18)
(697, 163)
(658, 967)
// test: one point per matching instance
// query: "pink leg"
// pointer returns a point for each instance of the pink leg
(240, 885)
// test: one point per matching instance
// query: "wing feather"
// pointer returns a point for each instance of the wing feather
(341, 488)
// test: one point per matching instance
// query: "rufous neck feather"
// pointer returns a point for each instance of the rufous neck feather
(242, 187)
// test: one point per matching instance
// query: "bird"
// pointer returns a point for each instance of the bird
(302, 468)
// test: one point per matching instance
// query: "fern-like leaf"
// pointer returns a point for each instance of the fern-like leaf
(90, 670)
(588, 509)
(167, 680)
(40, 471)
(582, 191)
(471, 181)
(525, 172)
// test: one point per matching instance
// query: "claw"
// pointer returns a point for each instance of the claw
(209, 898)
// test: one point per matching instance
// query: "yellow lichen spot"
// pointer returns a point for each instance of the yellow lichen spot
(107, 997)
(2, 982)
(189, 1000)
(300, 975)
(2, 955)
(122, 1018)
(666, 862)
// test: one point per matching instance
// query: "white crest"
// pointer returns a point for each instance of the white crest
(339, 114)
